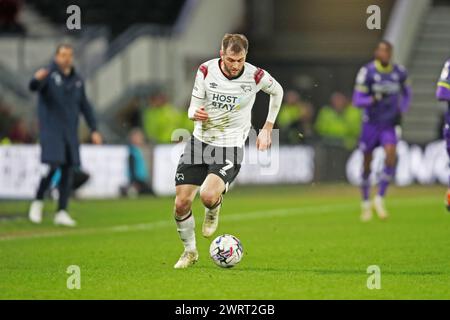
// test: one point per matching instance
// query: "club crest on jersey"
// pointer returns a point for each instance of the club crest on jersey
(246, 87)
(377, 77)
(213, 85)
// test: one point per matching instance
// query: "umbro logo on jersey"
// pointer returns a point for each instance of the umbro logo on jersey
(180, 176)
(213, 85)
(246, 87)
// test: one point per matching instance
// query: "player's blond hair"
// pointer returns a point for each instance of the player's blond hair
(236, 42)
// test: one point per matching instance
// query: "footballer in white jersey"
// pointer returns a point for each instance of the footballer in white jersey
(222, 99)
(228, 102)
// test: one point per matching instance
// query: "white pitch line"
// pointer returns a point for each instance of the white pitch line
(168, 223)
(249, 215)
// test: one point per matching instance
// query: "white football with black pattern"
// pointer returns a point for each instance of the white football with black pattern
(226, 251)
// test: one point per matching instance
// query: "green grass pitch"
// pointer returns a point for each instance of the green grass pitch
(300, 242)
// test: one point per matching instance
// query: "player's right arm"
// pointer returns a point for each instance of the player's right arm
(362, 97)
(38, 81)
(196, 109)
(443, 86)
(88, 112)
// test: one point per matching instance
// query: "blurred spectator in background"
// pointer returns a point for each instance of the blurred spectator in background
(19, 132)
(130, 116)
(5, 123)
(14, 129)
(61, 99)
(161, 118)
(9, 16)
(340, 123)
(137, 166)
(295, 117)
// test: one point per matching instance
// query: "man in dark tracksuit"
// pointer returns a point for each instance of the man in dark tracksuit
(62, 98)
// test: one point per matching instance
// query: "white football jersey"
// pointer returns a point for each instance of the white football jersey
(228, 102)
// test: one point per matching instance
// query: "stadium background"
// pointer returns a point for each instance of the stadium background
(300, 228)
(134, 63)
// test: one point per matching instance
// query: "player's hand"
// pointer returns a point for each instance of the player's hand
(96, 138)
(201, 114)
(264, 140)
(41, 74)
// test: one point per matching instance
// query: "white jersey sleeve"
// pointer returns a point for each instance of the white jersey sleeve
(199, 85)
(198, 92)
(270, 86)
(267, 83)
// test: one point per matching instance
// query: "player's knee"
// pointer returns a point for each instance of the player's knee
(367, 162)
(366, 174)
(390, 160)
(366, 171)
(390, 163)
(182, 205)
(209, 198)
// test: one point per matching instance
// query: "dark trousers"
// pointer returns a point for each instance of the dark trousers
(64, 185)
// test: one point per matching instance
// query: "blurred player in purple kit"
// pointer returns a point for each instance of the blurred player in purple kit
(443, 94)
(382, 91)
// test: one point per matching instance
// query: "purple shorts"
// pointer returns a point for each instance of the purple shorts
(374, 135)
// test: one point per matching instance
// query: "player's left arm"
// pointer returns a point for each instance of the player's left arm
(443, 85)
(270, 86)
(88, 113)
(405, 101)
(362, 95)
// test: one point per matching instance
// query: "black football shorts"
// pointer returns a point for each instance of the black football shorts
(200, 159)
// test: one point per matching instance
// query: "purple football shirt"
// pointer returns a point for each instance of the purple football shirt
(443, 88)
(383, 92)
